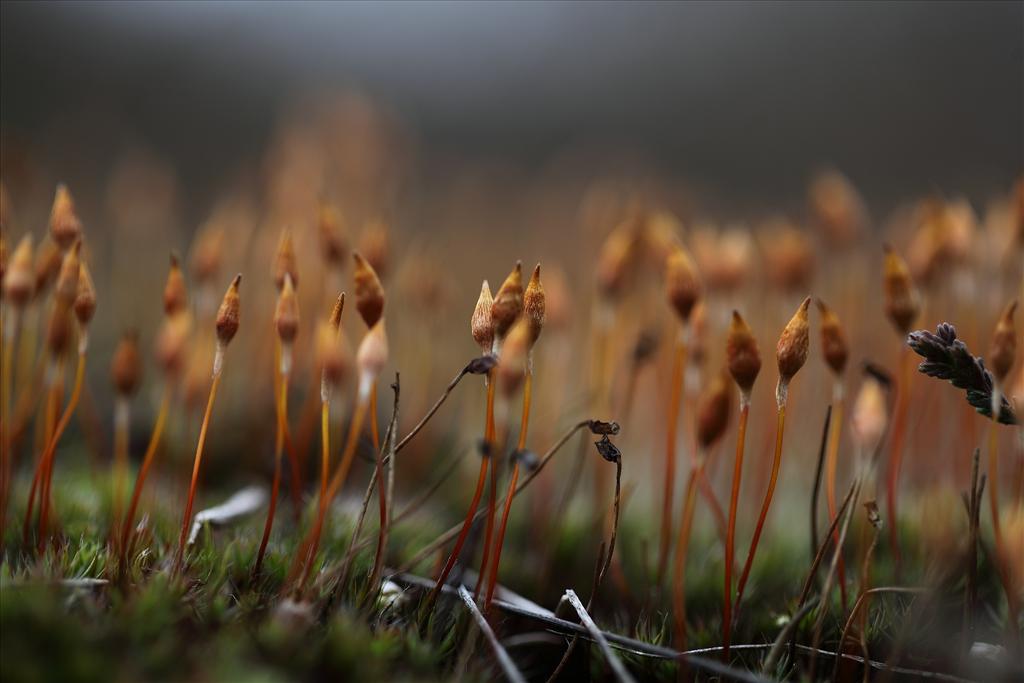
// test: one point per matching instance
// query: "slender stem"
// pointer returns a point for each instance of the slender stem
(861, 599)
(9, 341)
(433, 409)
(281, 411)
(463, 533)
(325, 451)
(679, 565)
(730, 541)
(46, 459)
(896, 455)
(147, 461)
(493, 577)
(776, 462)
(831, 461)
(374, 434)
(281, 380)
(187, 518)
(492, 496)
(678, 366)
(122, 420)
(525, 422)
(382, 501)
(355, 427)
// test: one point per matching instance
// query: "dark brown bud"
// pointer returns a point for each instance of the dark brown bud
(608, 450)
(682, 283)
(833, 341)
(481, 324)
(126, 367)
(228, 313)
(602, 428)
(508, 304)
(285, 262)
(713, 409)
(794, 343)
(19, 280)
(85, 299)
(65, 228)
(742, 357)
(369, 291)
(902, 303)
(286, 315)
(481, 365)
(534, 305)
(1004, 344)
(175, 297)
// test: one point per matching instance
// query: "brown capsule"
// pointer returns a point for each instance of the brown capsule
(534, 305)
(372, 355)
(512, 362)
(58, 330)
(286, 315)
(741, 354)
(208, 253)
(126, 366)
(65, 228)
(614, 260)
(228, 313)
(172, 341)
(85, 299)
(67, 279)
(902, 303)
(375, 246)
(175, 296)
(794, 343)
(682, 283)
(481, 324)
(833, 340)
(713, 409)
(1003, 351)
(332, 235)
(339, 308)
(331, 354)
(508, 303)
(285, 262)
(369, 291)
(19, 280)
(48, 262)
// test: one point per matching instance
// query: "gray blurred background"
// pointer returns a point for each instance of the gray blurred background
(746, 98)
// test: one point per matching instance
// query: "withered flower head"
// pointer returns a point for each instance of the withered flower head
(375, 245)
(175, 297)
(58, 330)
(534, 305)
(681, 282)
(902, 303)
(228, 313)
(126, 366)
(48, 262)
(172, 341)
(369, 291)
(286, 315)
(713, 409)
(285, 262)
(339, 308)
(512, 362)
(372, 355)
(791, 352)
(833, 341)
(67, 279)
(481, 324)
(19, 280)
(741, 354)
(508, 304)
(85, 299)
(332, 235)
(870, 414)
(64, 224)
(208, 253)
(1004, 344)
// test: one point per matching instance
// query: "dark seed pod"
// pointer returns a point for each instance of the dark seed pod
(608, 450)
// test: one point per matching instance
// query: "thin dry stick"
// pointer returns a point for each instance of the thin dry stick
(678, 367)
(140, 480)
(861, 599)
(504, 660)
(382, 534)
(47, 458)
(613, 660)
